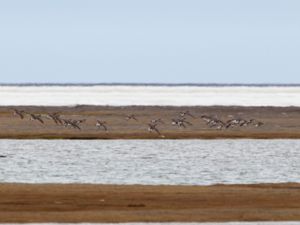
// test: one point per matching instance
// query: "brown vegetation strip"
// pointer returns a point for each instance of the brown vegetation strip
(279, 122)
(132, 203)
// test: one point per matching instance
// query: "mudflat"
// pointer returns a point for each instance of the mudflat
(132, 203)
(278, 122)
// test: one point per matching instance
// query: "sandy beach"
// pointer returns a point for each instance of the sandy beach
(113, 203)
(279, 122)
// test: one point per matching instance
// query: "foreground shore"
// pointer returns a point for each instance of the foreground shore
(279, 122)
(138, 203)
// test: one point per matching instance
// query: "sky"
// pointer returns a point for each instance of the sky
(154, 41)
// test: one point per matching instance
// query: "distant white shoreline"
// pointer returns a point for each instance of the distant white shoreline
(123, 95)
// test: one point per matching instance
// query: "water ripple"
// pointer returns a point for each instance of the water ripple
(191, 162)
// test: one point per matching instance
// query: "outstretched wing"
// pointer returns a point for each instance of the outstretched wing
(105, 128)
(40, 120)
(188, 113)
(18, 113)
(21, 115)
(75, 126)
(188, 123)
(157, 131)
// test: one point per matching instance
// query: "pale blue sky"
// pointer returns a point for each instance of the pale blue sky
(157, 41)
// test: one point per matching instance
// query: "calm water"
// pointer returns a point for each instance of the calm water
(150, 161)
(150, 95)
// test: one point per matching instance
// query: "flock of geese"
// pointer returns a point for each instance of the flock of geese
(181, 121)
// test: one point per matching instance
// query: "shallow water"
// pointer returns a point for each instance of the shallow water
(149, 95)
(200, 162)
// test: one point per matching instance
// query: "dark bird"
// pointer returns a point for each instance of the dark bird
(180, 122)
(206, 118)
(186, 113)
(58, 118)
(78, 122)
(156, 121)
(259, 124)
(244, 123)
(152, 127)
(102, 124)
(177, 123)
(55, 117)
(65, 122)
(131, 117)
(19, 113)
(232, 123)
(70, 123)
(216, 123)
(37, 117)
(74, 125)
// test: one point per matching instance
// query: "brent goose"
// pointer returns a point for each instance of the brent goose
(152, 127)
(19, 113)
(180, 122)
(186, 113)
(70, 123)
(206, 118)
(232, 123)
(55, 117)
(78, 122)
(37, 117)
(215, 123)
(102, 124)
(131, 117)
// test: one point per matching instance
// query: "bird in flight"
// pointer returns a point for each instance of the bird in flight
(101, 124)
(20, 113)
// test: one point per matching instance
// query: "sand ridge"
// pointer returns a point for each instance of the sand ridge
(146, 203)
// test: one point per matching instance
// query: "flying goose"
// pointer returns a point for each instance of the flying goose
(256, 123)
(36, 117)
(180, 122)
(55, 117)
(186, 113)
(131, 117)
(70, 123)
(216, 123)
(102, 124)
(152, 127)
(20, 113)
(78, 122)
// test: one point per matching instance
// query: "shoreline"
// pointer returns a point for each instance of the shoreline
(74, 203)
(212, 136)
(279, 122)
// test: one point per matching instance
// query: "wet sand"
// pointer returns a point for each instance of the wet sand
(279, 122)
(113, 203)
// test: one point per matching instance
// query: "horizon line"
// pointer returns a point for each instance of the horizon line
(144, 84)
